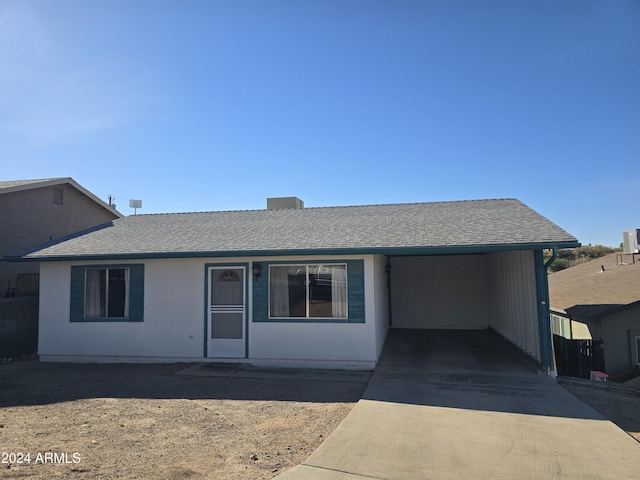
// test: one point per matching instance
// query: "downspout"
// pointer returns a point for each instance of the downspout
(554, 255)
(547, 360)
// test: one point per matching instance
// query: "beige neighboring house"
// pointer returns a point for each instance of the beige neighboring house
(600, 299)
(34, 212)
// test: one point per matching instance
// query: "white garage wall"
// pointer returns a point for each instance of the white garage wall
(439, 292)
(514, 313)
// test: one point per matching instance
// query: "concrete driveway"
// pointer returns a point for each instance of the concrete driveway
(459, 405)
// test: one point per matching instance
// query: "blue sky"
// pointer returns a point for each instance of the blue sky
(215, 105)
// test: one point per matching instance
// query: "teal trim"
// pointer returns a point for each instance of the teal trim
(554, 255)
(355, 294)
(206, 311)
(398, 251)
(136, 293)
(247, 276)
(355, 283)
(544, 314)
(387, 271)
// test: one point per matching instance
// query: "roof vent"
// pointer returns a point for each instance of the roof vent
(280, 203)
(58, 195)
(631, 241)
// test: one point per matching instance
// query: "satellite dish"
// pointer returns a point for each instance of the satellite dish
(135, 204)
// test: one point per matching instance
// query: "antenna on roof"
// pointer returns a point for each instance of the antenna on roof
(112, 201)
(135, 204)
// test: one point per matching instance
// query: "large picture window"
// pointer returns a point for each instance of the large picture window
(308, 291)
(106, 293)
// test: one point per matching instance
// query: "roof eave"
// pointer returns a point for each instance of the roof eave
(391, 251)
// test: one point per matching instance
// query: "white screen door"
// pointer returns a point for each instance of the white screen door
(226, 312)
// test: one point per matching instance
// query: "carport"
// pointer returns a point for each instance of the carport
(457, 404)
(503, 289)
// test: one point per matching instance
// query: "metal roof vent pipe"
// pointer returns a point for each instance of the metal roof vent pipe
(279, 203)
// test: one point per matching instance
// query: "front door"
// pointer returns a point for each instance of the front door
(226, 329)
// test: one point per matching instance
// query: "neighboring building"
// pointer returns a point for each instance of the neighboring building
(296, 286)
(600, 299)
(36, 211)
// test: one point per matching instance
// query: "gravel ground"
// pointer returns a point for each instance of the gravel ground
(143, 421)
(616, 402)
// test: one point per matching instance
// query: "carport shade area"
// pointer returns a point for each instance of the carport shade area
(454, 404)
(492, 290)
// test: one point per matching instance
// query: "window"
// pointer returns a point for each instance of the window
(638, 350)
(228, 276)
(107, 293)
(308, 291)
(560, 326)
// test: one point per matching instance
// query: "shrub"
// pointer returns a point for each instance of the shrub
(567, 253)
(559, 264)
(592, 252)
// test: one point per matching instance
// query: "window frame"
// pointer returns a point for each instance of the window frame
(107, 293)
(638, 350)
(307, 316)
(134, 295)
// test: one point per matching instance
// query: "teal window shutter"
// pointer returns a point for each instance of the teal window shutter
(136, 293)
(77, 294)
(355, 280)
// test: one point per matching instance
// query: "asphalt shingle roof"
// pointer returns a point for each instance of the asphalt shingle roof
(7, 185)
(586, 290)
(460, 224)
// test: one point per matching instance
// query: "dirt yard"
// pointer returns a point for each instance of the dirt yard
(143, 421)
(619, 404)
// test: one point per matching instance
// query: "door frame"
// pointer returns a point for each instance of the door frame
(207, 269)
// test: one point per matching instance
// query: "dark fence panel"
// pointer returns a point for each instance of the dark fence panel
(18, 326)
(577, 358)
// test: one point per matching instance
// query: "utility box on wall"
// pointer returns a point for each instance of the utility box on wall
(631, 241)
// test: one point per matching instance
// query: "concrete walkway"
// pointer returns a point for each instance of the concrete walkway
(458, 405)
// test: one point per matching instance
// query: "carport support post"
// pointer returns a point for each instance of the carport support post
(542, 284)
(387, 270)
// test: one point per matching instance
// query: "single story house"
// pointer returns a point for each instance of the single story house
(600, 300)
(299, 286)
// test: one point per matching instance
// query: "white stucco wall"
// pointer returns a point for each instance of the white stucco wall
(439, 292)
(174, 322)
(173, 315)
